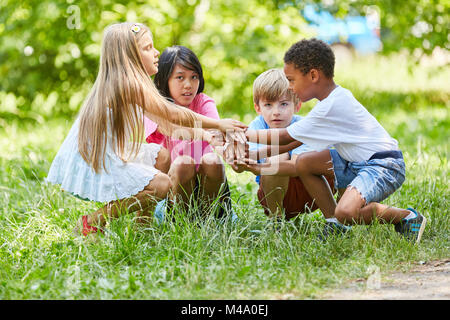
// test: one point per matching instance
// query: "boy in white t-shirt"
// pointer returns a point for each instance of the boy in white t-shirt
(280, 196)
(366, 162)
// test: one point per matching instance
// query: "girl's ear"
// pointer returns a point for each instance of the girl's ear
(314, 74)
(298, 106)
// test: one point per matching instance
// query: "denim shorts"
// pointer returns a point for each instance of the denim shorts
(375, 179)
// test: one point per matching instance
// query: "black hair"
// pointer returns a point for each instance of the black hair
(311, 54)
(167, 61)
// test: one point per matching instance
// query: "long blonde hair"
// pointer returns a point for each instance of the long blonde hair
(122, 91)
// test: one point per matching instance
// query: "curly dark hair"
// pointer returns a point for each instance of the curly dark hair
(311, 54)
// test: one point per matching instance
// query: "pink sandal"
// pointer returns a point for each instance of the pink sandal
(87, 229)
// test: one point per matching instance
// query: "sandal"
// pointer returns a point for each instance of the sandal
(88, 229)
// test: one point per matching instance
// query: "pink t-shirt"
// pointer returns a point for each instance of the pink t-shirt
(201, 104)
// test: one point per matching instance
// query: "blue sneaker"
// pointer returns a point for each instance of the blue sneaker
(333, 228)
(160, 211)
(412, 228)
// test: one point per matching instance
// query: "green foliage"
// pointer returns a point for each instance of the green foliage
(50, 49)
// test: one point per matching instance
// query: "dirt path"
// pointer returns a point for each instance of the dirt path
(426, 281)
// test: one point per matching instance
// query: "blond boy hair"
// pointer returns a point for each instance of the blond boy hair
(271, 85)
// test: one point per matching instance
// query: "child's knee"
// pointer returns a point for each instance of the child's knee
(346, 213)
(163, 160)
(183, 168)
(212, 167)
(302, 164)
(160, 185)
(313, 162)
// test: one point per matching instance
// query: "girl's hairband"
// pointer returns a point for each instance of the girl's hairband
(135, 28)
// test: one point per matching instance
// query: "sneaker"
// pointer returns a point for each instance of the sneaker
(413, 228)
(333, 228)
(160, 211)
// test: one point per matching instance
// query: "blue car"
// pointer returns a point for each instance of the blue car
(360, 32)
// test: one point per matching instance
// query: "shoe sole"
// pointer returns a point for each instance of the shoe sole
(422, 228)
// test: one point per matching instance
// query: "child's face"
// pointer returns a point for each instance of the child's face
(183, 85)
(300, 84)
(149, 54)
(277, 114)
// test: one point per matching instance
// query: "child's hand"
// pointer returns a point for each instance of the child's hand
(235, 146)
(237, 167)
(237, 136)
(251, 166)
(226, 125)
(232, 151)
(214, 137)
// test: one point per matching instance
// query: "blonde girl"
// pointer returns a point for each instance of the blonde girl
(102, 158)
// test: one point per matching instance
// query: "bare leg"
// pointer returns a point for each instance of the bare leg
(182, 174)
(352, 209)
(142, 203)
(275, 188)
(212, 175)
(312, 167)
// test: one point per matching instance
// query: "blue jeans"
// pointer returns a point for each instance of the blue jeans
(375, 179)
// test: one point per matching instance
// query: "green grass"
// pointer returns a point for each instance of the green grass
(250, 259)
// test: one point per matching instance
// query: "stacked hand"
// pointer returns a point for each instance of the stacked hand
(229, 140)
(216, 137)
(236, 147)
(231, 143)
(236, 152)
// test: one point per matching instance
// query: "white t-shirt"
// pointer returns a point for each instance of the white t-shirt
(342, 122)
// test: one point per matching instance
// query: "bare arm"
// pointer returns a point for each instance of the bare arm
(270, 136)
(187, 133)
(273, 150)
(183, 116)
(178, 116)
(213, 137)
(280, 168)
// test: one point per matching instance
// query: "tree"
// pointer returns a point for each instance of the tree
(50, 49)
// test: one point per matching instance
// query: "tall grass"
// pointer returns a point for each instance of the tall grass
(251, 258)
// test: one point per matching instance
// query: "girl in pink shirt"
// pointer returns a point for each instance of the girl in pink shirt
(193, 163)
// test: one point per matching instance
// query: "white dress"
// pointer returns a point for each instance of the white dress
(120, 180)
